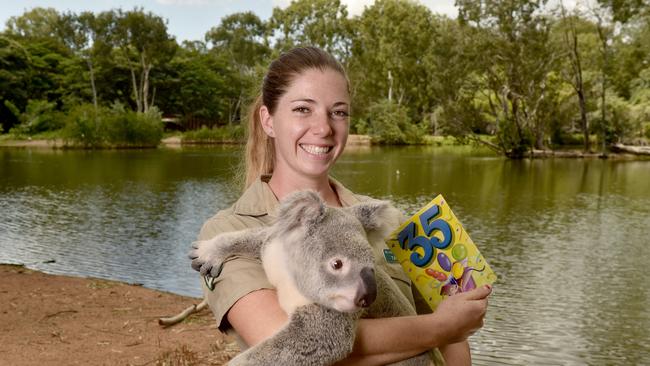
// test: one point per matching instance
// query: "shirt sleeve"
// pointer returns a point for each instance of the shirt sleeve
(239, 276)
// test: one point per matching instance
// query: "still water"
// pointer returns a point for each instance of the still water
(568, 238)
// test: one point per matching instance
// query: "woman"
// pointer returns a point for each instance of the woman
(298, 127)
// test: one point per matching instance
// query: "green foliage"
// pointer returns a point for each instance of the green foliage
(390, 124)
(39, 116)
(232, 133)
(126, 127)
(389, 48)
(241, 36)
(358, 126)
(321, 23)
(115, 127)
(507, 69)
(84, 126)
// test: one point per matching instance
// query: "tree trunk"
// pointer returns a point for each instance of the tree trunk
(92, 82)
(603, 84)
(145, 82)
(136, 93)
(583, 118)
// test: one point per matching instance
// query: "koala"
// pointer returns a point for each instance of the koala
(321, 262)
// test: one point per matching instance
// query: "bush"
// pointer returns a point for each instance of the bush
(83, 126)
(358, 126)
(115, 127)
(129, 128)
(229, 133)
(39, 116)
(390, 124)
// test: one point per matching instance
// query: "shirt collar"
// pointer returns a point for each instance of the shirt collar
(259, 199)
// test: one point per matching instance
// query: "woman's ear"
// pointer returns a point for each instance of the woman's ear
(267, 121)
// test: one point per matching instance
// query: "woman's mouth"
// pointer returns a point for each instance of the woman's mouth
(316, 150)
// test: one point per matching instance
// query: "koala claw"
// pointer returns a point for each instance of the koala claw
(207, 268)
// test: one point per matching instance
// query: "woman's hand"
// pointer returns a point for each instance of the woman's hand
(461, 315)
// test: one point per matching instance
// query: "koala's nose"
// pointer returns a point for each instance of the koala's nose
(368, 291)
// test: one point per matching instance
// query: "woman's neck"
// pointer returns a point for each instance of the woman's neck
(282, 186)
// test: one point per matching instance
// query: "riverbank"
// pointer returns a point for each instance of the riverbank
(170, 141)
(61, 320)
(618, 151)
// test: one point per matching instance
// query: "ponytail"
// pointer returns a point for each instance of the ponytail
(260, 151)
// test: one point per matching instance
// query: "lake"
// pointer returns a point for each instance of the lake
(568, 238)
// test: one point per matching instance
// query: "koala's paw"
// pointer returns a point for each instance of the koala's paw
(205, 259)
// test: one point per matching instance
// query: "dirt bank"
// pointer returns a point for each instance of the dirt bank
(60, 320)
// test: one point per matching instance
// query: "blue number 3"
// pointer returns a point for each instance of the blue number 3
(407, 237)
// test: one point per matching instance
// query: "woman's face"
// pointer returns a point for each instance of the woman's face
(310, 124)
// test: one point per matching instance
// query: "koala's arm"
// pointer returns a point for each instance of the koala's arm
(208, 256)
(314, 336)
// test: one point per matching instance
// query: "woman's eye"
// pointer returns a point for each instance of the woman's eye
(340, 114)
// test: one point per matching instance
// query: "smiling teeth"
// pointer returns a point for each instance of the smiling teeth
(316, 150)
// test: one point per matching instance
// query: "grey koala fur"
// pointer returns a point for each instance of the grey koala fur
(298, 253)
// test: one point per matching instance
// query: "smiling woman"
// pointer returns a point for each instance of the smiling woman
(298, 127)
(309, 127)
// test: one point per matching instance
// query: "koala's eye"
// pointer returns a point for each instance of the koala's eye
(337, 264)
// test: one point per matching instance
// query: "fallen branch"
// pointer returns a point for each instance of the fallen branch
(184, 314)
(636, 150)
(57, 313)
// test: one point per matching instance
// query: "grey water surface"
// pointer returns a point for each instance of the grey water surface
(568, 238)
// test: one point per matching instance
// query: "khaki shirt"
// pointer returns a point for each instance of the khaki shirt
(240, 276)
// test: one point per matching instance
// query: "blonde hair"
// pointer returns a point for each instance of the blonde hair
(260, 151)
(259, 158)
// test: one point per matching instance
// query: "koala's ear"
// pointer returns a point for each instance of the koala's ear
(300, 208)
(378, 218)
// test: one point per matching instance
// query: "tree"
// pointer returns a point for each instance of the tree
(242, 36)
(142, 42)
(624, 10)
(15, 72)
(570, 35)
(34, 24)
(80, 33)
(390, 47)
(197, 83)
(321, 23)
(241, 39)
(517, 61)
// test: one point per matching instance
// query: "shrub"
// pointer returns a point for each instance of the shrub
(39, 116)
(229, 133)
(129, 128)
(390, 124)
(358, 126)
(83, 126)
(115, 127)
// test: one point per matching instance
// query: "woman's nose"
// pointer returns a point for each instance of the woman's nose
(321, 125)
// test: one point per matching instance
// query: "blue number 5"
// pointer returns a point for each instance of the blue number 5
(440, 224)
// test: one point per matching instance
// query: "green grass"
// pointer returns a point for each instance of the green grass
(47, 135)
(223, 134)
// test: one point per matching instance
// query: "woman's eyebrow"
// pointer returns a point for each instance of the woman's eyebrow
(308, 100)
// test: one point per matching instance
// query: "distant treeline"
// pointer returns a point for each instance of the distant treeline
(530, 75)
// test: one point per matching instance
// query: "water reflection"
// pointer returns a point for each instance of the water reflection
(568, 238)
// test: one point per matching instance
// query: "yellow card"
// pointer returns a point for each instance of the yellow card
(438, 255)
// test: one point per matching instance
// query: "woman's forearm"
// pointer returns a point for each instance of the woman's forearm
(457, 354)
(388, 340)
